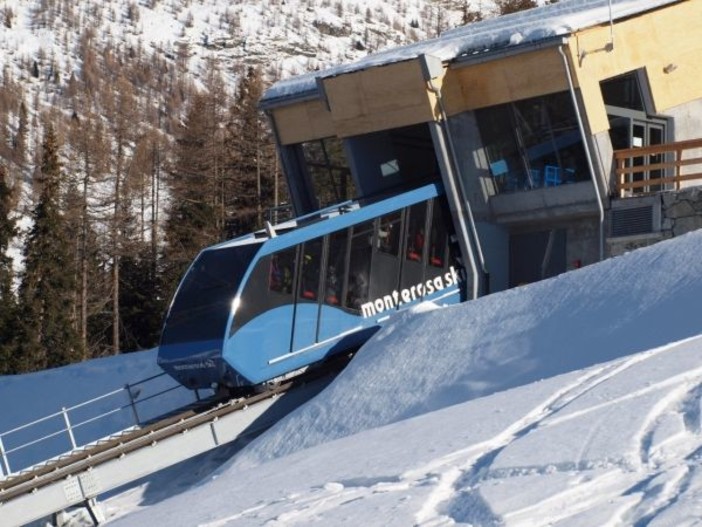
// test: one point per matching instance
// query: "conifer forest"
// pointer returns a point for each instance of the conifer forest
(117, 165)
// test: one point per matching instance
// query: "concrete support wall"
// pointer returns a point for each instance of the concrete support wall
(582, 242)
(687, 120)
(687, 124)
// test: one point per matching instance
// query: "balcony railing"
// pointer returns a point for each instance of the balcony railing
(655, 168)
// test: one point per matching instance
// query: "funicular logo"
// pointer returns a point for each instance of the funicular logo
(410, 294)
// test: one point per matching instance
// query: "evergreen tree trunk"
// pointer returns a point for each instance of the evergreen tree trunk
(116, 259)
(87, 140)
(8, 304)
(124, 115)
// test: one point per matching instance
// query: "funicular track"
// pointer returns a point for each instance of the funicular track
(85, 473)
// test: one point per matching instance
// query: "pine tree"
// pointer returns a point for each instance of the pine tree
(141, 301)
(250, 161)
(46, 336)
(8, 302)
(122, 113)
(192, 221)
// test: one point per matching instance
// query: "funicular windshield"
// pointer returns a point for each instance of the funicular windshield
(202, 305)
(350, 268)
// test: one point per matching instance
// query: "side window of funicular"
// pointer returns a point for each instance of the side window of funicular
(438, 237)
(281, 272)
(311, 268)
(389, 233)
(414, 245)
(336, 267)
(416, 235)
(385, 273)
(359, 266)
(270, 285)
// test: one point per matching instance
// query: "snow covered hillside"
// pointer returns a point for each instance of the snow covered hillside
(287, 37)
(574, 401)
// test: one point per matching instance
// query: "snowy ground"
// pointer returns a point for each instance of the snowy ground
(575, 401)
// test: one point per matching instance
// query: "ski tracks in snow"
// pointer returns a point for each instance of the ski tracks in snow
(459, 488)
(457, 497)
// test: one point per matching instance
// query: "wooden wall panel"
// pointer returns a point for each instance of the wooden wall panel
(500, 81)
(379, 98)
(303, 121)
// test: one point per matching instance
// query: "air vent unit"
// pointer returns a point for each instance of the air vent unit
(632, 220)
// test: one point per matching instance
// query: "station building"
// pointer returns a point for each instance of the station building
(562, 135)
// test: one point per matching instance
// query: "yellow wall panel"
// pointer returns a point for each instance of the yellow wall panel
(651, 42)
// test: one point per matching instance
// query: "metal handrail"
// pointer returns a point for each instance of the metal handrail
(70, 427)
(57, 414)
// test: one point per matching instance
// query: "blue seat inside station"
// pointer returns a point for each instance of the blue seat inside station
(498, 168)
(552, 176)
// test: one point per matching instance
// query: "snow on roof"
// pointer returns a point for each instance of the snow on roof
(517, 29)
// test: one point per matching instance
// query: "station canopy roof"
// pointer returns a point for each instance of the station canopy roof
(508, 31)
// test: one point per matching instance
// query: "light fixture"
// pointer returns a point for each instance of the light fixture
(670, 68)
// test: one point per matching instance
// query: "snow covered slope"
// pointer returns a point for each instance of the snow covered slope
(574, 401)
(614, 444)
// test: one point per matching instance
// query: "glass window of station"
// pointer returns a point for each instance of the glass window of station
(632, 125)
(533, 143)
(393, 160)
(329, 171)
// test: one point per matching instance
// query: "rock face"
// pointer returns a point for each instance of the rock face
(680, 213)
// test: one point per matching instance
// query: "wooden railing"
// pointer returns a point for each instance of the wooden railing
(654, 168)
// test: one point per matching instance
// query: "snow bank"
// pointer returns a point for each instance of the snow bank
(423, 362)
(614, 444)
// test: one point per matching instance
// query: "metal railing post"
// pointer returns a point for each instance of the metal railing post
(68, 427)
(3, 457)
(132, 403)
